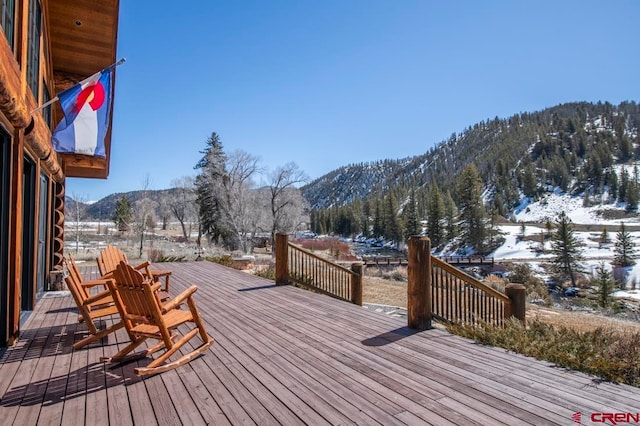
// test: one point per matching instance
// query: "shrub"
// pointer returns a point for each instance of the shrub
(268, 272)
(224, 260)
(158, 256)
(536, 289)
(338, 249)
(611, 355)
(154, 254)
(399, 273)
(495, 283)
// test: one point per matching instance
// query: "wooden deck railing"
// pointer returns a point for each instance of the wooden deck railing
(438, 290)
(459, 298)
(293, 263)
(435, 289)
(452, 260)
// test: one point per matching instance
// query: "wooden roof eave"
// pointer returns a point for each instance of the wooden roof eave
(94, 26)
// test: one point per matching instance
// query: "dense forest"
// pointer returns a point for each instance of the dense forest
(579, 148)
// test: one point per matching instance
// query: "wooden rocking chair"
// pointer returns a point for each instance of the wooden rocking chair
(144, 317)
(90, 306)
(110, 257)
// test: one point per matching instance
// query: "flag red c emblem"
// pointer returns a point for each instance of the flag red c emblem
(93, 95)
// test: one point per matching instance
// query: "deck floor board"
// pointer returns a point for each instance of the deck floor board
(283, 355)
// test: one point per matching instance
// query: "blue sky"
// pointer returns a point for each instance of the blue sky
(330, 83)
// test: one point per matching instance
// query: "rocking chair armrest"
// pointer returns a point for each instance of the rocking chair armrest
(108, 276)
(155, 287)
(143, 265)
(97, 297)
(179, 299)
(93, 283)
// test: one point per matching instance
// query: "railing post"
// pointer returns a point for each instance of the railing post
(356, 283)
(517, 294)
(282, 259)
(419, 283)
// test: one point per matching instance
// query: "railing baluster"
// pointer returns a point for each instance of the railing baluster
(313, 271)
(454, 295)
(460, 293)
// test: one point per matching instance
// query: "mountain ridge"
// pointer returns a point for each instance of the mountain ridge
(572, 146)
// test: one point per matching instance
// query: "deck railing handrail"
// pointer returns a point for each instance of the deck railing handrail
(435, 288)
(468, 278)
(460, 298)
(321, 259)
(294, 263)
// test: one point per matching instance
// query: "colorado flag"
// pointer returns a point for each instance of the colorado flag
(86, 108)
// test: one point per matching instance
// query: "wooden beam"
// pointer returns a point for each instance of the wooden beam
(11, 102)
(85, 166)
(16, 229)
(419, 283)
(282, 259)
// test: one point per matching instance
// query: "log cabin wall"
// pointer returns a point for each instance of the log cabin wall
(45, 47)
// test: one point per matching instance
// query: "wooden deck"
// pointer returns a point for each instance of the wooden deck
(287, 356)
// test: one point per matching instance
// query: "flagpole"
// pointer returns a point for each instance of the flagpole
(46, 104)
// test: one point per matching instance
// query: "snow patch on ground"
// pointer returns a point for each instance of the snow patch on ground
(548, 208)
(550, 205)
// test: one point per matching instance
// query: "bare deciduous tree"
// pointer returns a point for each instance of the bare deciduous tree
(144, 211)
(164, 211)
(239, 189)
(76, 209)
(183, 203)
(285, 199)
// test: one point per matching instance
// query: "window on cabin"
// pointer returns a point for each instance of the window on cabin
(46, 111)
(33, 50)
(8, 15)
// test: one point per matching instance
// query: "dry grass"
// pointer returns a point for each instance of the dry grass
(609, 354)
(579, 321)
(379, 291)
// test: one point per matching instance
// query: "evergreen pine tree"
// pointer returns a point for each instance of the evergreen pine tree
(548, 225)
(210, 193)
(529, 183)
(612, 183)
(624, 185)
(624, 248)
(631, 196)
(410, 216)
(604, 282)
(493, 230)
(450, 217)
(378, 227)
(122, 214)
(566, 248)
(435, 215)
(365, 219)
(472, 211)
(392, 227)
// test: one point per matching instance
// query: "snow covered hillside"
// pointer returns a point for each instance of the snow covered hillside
(535, 215)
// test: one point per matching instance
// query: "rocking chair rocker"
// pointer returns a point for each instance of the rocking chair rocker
(145, 317)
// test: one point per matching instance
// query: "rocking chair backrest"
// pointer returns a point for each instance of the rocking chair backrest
(109, 259)
(74, 282)
(90, 306)
(138, 300)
